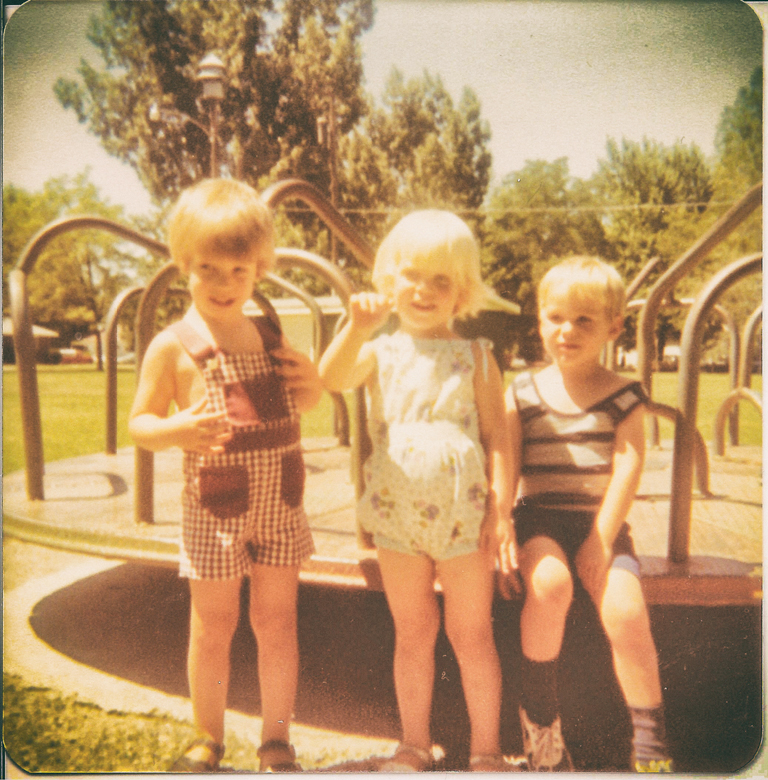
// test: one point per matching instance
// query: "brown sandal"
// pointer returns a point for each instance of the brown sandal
(489, 763)
(277, 756)
(212, 751)
(408, 758)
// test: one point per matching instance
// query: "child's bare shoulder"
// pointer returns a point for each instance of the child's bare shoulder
(165, 346)
(615, 382)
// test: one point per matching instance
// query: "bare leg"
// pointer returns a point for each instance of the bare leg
(409, 587)
(548, 595)
(627, 624)
(468, 583)
(214, 615)
(273, 609)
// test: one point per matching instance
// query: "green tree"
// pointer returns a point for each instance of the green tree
(739, 166)
(417, 150)
(280, 68)
(654, 196)
(535, 216)
(739, 139)
(78, 274)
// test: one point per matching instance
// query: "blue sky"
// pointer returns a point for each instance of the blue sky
(556, 78)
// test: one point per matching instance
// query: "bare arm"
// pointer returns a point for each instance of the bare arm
(497, 444)
(594, 556)
(190, 428)
(300, 376)
(349, 360)
(509, 581)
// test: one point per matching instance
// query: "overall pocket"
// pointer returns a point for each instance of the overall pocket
(224, 490)
(292, 478)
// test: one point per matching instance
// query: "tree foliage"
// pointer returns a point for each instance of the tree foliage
(280, 69)
(654, 195)
(739, 139)
(78, 274)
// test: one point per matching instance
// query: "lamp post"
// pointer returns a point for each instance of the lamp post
(210, 75)
(326, 137)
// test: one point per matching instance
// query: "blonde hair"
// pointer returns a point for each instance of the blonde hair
(220, 216)
(434, 239)
(587, 278)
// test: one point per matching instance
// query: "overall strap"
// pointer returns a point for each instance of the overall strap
(270, 331)
(198, 348)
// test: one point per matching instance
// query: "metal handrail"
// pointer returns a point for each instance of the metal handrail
(297, 189)
(730, 402)
(741, 389)
(23, 341)
(718, 232)
(110, 363)
(744, 376)
(688, 388)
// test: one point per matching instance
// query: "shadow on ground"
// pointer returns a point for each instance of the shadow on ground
(131, 622)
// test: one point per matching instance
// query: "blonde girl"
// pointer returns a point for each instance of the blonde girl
(437, 497)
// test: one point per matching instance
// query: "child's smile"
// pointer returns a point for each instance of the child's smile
(425, 301)
(220, 285)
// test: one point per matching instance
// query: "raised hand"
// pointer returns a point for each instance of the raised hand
(369, 311)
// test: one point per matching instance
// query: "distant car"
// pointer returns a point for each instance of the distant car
(72, 355)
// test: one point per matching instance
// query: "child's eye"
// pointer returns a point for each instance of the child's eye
(409, 275)
(584, 321)
(442, 282)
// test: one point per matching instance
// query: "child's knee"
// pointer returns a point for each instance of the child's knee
(418, 627)
(550, 583)
(273, 622)
(625, 618)
(214, 627)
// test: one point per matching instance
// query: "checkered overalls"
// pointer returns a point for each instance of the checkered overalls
(244, 505)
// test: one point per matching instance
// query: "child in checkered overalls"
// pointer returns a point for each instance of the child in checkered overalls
(238, 389)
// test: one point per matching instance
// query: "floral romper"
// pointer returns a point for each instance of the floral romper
(244, 505)
(425, 480)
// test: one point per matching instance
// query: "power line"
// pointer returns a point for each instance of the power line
(533, 209)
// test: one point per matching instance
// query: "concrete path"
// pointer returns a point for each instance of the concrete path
(33, 574)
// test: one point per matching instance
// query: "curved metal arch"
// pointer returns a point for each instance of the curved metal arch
(719, 231)
(688, 387)
(110, 361)
(297, 189)
(733, 398)
(744, 377)
(23, 341)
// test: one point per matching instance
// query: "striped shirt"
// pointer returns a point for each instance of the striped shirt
(567, 459)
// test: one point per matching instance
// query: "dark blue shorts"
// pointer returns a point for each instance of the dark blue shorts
(569, 528)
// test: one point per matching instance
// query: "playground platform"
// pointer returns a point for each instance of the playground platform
(89, 508)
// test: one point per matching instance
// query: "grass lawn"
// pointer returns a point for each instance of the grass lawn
(72, 402)
(44, 731)
(72, 409)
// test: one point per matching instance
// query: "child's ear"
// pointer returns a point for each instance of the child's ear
(617, 327)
